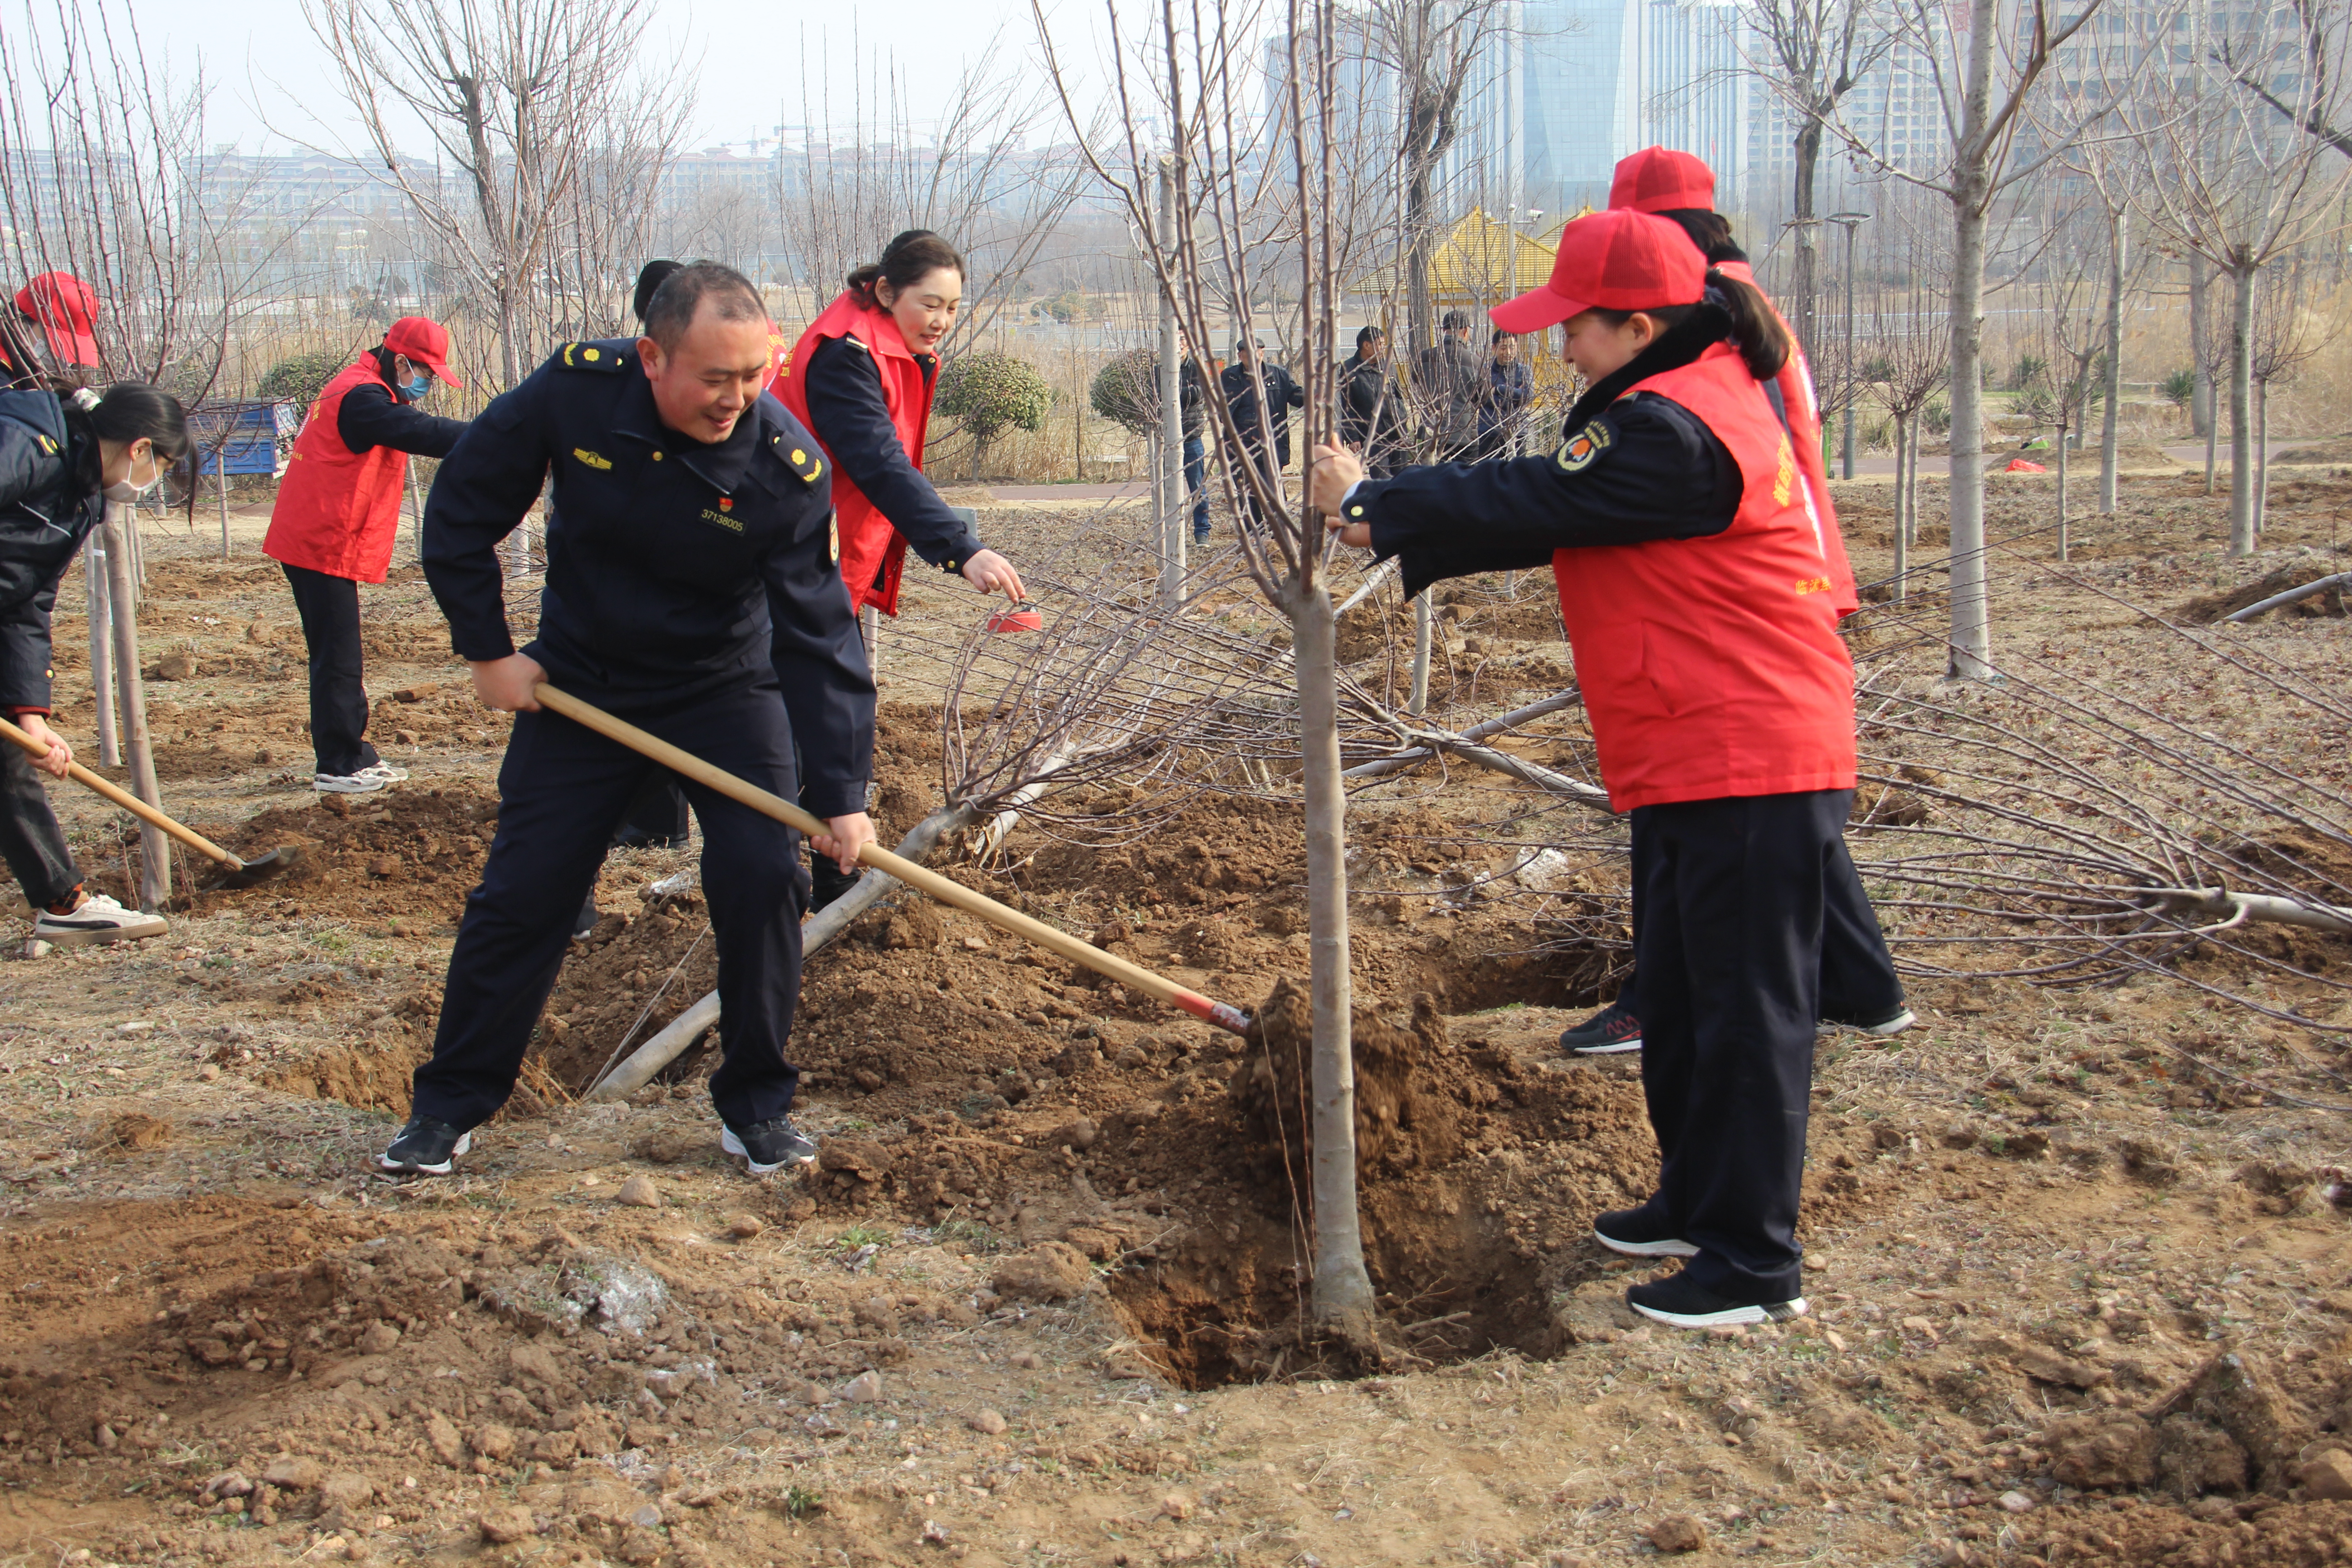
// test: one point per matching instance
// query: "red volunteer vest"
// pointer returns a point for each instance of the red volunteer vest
(1712, 666)
(870, 547)
(1796, 384)
(338, 510)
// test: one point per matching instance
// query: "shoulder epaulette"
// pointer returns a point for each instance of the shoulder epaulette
(804, 459)
(592, 356)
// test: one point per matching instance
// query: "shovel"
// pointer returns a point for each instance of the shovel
(236, 873)
(1133, 976)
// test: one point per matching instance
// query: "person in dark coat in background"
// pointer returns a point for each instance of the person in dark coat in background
(1365, 396)
(693, 588)
(1510, 387)
(1453, 389)
(1192, 388)
(62, 459)
(1264, 430)
(334, 522)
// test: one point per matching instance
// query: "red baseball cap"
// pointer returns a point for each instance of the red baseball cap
(1659, 179)
(1614, 260)
(66, 308)
(425, 341)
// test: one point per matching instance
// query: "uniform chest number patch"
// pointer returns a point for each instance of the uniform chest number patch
(1584, 449)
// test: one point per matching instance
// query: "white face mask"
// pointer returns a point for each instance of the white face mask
(122, 489)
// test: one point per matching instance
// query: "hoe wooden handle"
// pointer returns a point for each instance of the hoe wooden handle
(687, 764)
(126, 800)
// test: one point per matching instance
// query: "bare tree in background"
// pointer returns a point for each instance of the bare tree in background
(2287, 333)
(967, 171)
(2071, 339)
(1191, 80)
(1985, 63)
(1811, 55)
(530, 102)
(2229, 177)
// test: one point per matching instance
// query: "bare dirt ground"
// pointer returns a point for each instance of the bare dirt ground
(1039, 1301)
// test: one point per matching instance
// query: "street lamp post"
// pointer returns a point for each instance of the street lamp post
(1850, 222)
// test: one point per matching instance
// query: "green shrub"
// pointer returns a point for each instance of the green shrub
(1127, 391)
(303, 376)
(2181, 388)
(989, 394)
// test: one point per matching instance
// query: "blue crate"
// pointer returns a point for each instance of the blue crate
(245, 437)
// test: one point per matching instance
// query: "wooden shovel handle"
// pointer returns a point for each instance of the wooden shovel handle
(929, 881)
(126, 800)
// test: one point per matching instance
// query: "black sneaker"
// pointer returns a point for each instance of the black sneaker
(424, 1147)
(766, 1146)
(827, 882)
(584, 922)
(1644, 1232)
(1688, 1306)
(1892, 1021)
(1614, 1029)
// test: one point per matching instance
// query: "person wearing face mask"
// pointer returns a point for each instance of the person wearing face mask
(693, 588)
(861, 379)
(62, 459)
(332, 528)
(1701, 609)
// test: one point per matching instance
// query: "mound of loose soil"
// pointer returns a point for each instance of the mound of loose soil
(369, 859)
(2211, 607)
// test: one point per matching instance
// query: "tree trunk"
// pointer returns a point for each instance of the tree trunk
(101, 651)
(1420, 326)
(154, 846)
(1419, 700)
(2200, 337)
(2062, 491)
(1972, 630)
(2110, 418)
(1343, 1290)
(1801, 283)
(2242, 413)
(1903, 503)
(2262, 457)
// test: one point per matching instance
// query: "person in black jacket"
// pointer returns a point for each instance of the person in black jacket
(1453, 389)
(61, 460)
(1192, 392)
(693, 587)
(1510, 387)
(1365, 396)
(1264, 431)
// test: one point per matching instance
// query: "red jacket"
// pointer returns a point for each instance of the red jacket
(338, 510)
(870, 547)
(1712, 666)
(1796, 384)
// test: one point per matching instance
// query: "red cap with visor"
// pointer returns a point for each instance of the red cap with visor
(1615, 260)
(1659, 179)
(423, 341)
(66, 309)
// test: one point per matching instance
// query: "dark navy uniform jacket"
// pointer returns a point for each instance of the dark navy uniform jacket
(49, 503)
(674, 569)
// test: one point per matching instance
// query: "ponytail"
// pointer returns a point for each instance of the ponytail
(906, 261)
(1756, 329)
(126, 412)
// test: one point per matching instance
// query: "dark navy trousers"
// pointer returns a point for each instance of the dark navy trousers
(563, 790)
(1728, 960)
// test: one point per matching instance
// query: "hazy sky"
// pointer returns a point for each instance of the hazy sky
(274, 87)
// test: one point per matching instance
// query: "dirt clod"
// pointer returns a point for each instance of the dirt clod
(989, 1421)
(502, 1525)
(638, 1193)
(1678, 1532)
(2327, 1478)
(1055, 1272)
(2113, 1449)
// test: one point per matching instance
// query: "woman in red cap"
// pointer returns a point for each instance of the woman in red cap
(65, 311)
(337, 514)
(1701, 612)
(1859, 987)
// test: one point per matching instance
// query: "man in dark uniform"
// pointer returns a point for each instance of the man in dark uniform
(693, 586)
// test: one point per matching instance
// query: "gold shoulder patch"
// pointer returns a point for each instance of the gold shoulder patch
(1584, 449)
(803, 460)
(833, 528)
(46, 445)
(592, 356)
(593, 459)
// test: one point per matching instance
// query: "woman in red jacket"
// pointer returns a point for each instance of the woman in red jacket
(861, 380)
(1701, 613)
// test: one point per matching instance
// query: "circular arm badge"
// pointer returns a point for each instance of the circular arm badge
(1584, 449)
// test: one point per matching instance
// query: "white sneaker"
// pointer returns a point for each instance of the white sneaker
(100, 920)
(366, 782)
(384, 770)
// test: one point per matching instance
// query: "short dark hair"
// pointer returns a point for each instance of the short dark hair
(1365, 336)
(1454, 322)
(1499, 335)
(674, 305)
(906, 261)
